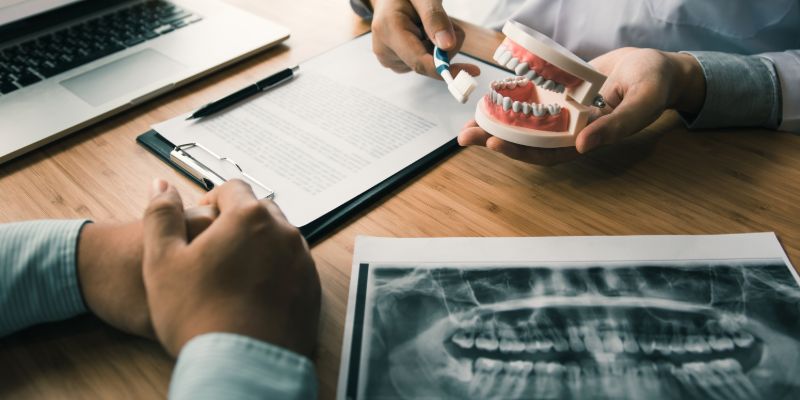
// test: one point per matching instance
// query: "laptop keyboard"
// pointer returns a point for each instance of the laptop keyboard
(51, 54)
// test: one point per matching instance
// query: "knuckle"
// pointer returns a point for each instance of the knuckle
(253, 212)
(420, 67)
(161, 207)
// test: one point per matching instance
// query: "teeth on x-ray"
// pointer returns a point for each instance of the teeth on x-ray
(620, 331)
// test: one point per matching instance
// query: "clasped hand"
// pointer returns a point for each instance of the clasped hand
(233, 265)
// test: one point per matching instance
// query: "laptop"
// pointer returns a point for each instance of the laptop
(65, 64)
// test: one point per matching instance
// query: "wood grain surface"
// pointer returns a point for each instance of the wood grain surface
(664, 180)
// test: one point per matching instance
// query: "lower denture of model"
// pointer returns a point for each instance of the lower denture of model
(523, 63)
(514, 101)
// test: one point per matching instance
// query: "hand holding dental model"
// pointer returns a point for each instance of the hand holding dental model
(641, 85)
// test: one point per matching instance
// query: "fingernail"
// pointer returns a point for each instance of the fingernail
(159, 186)
(444, 39)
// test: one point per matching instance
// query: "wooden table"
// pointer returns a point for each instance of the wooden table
(663, 181)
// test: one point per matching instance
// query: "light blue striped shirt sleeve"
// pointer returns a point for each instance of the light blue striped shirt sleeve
(39, 283)
(38, 276)
(230, 366)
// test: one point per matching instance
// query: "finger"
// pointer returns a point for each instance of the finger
(274, 210)
(639, 108)
(164, 226)
(229, 195)
(408, 47)
(387, 57)
(436, 23)
(471, 69)
(198, 219)
(473, 136)
(532, 155)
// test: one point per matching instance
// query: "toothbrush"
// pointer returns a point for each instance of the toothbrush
(462, 86)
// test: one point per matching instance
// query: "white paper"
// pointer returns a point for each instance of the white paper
(423, 304)
(342, 126)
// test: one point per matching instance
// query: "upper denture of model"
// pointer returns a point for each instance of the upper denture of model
(542, 73)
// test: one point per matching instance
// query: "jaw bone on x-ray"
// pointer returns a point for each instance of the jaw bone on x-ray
(672, 330)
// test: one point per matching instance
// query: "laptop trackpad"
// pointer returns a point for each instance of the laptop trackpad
(122, 77)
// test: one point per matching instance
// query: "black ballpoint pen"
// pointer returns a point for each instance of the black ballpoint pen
(258, 87)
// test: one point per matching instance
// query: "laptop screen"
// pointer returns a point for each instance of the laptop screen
(15, 10)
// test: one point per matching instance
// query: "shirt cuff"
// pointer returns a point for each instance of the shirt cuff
(787, 65)
(230, 366)
(362, 8)
(741, 91)
(38, 273)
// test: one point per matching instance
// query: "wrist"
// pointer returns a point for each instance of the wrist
(689, 83)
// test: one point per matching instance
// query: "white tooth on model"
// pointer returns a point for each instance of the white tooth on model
(499, 100)
(548, 85)
(559, 88)
(526, 108)
(512, 63)
(511, 85)
(516, 106)
(743, 339)
(493, 95)
(539, 80)
(506, 103)
(522, 68)
(553, 109)
(530, 75)
(504, 58)
(538, 110)
(499, 52)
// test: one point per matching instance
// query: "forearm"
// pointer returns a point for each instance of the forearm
(38, 276)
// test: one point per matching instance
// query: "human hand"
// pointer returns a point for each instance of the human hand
(110, 270)
(641, 85)
(397, 39)
(249, 273)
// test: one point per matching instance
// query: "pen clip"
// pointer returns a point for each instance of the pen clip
(205, 175)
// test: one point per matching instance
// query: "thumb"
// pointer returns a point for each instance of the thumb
(436, 22)
(164, 224)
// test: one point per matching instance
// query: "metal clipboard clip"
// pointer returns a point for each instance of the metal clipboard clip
(207, 176)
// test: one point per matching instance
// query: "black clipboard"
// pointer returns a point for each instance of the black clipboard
(317, 229)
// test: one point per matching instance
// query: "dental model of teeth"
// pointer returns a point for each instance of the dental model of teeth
(548, 101)
(462, 86)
